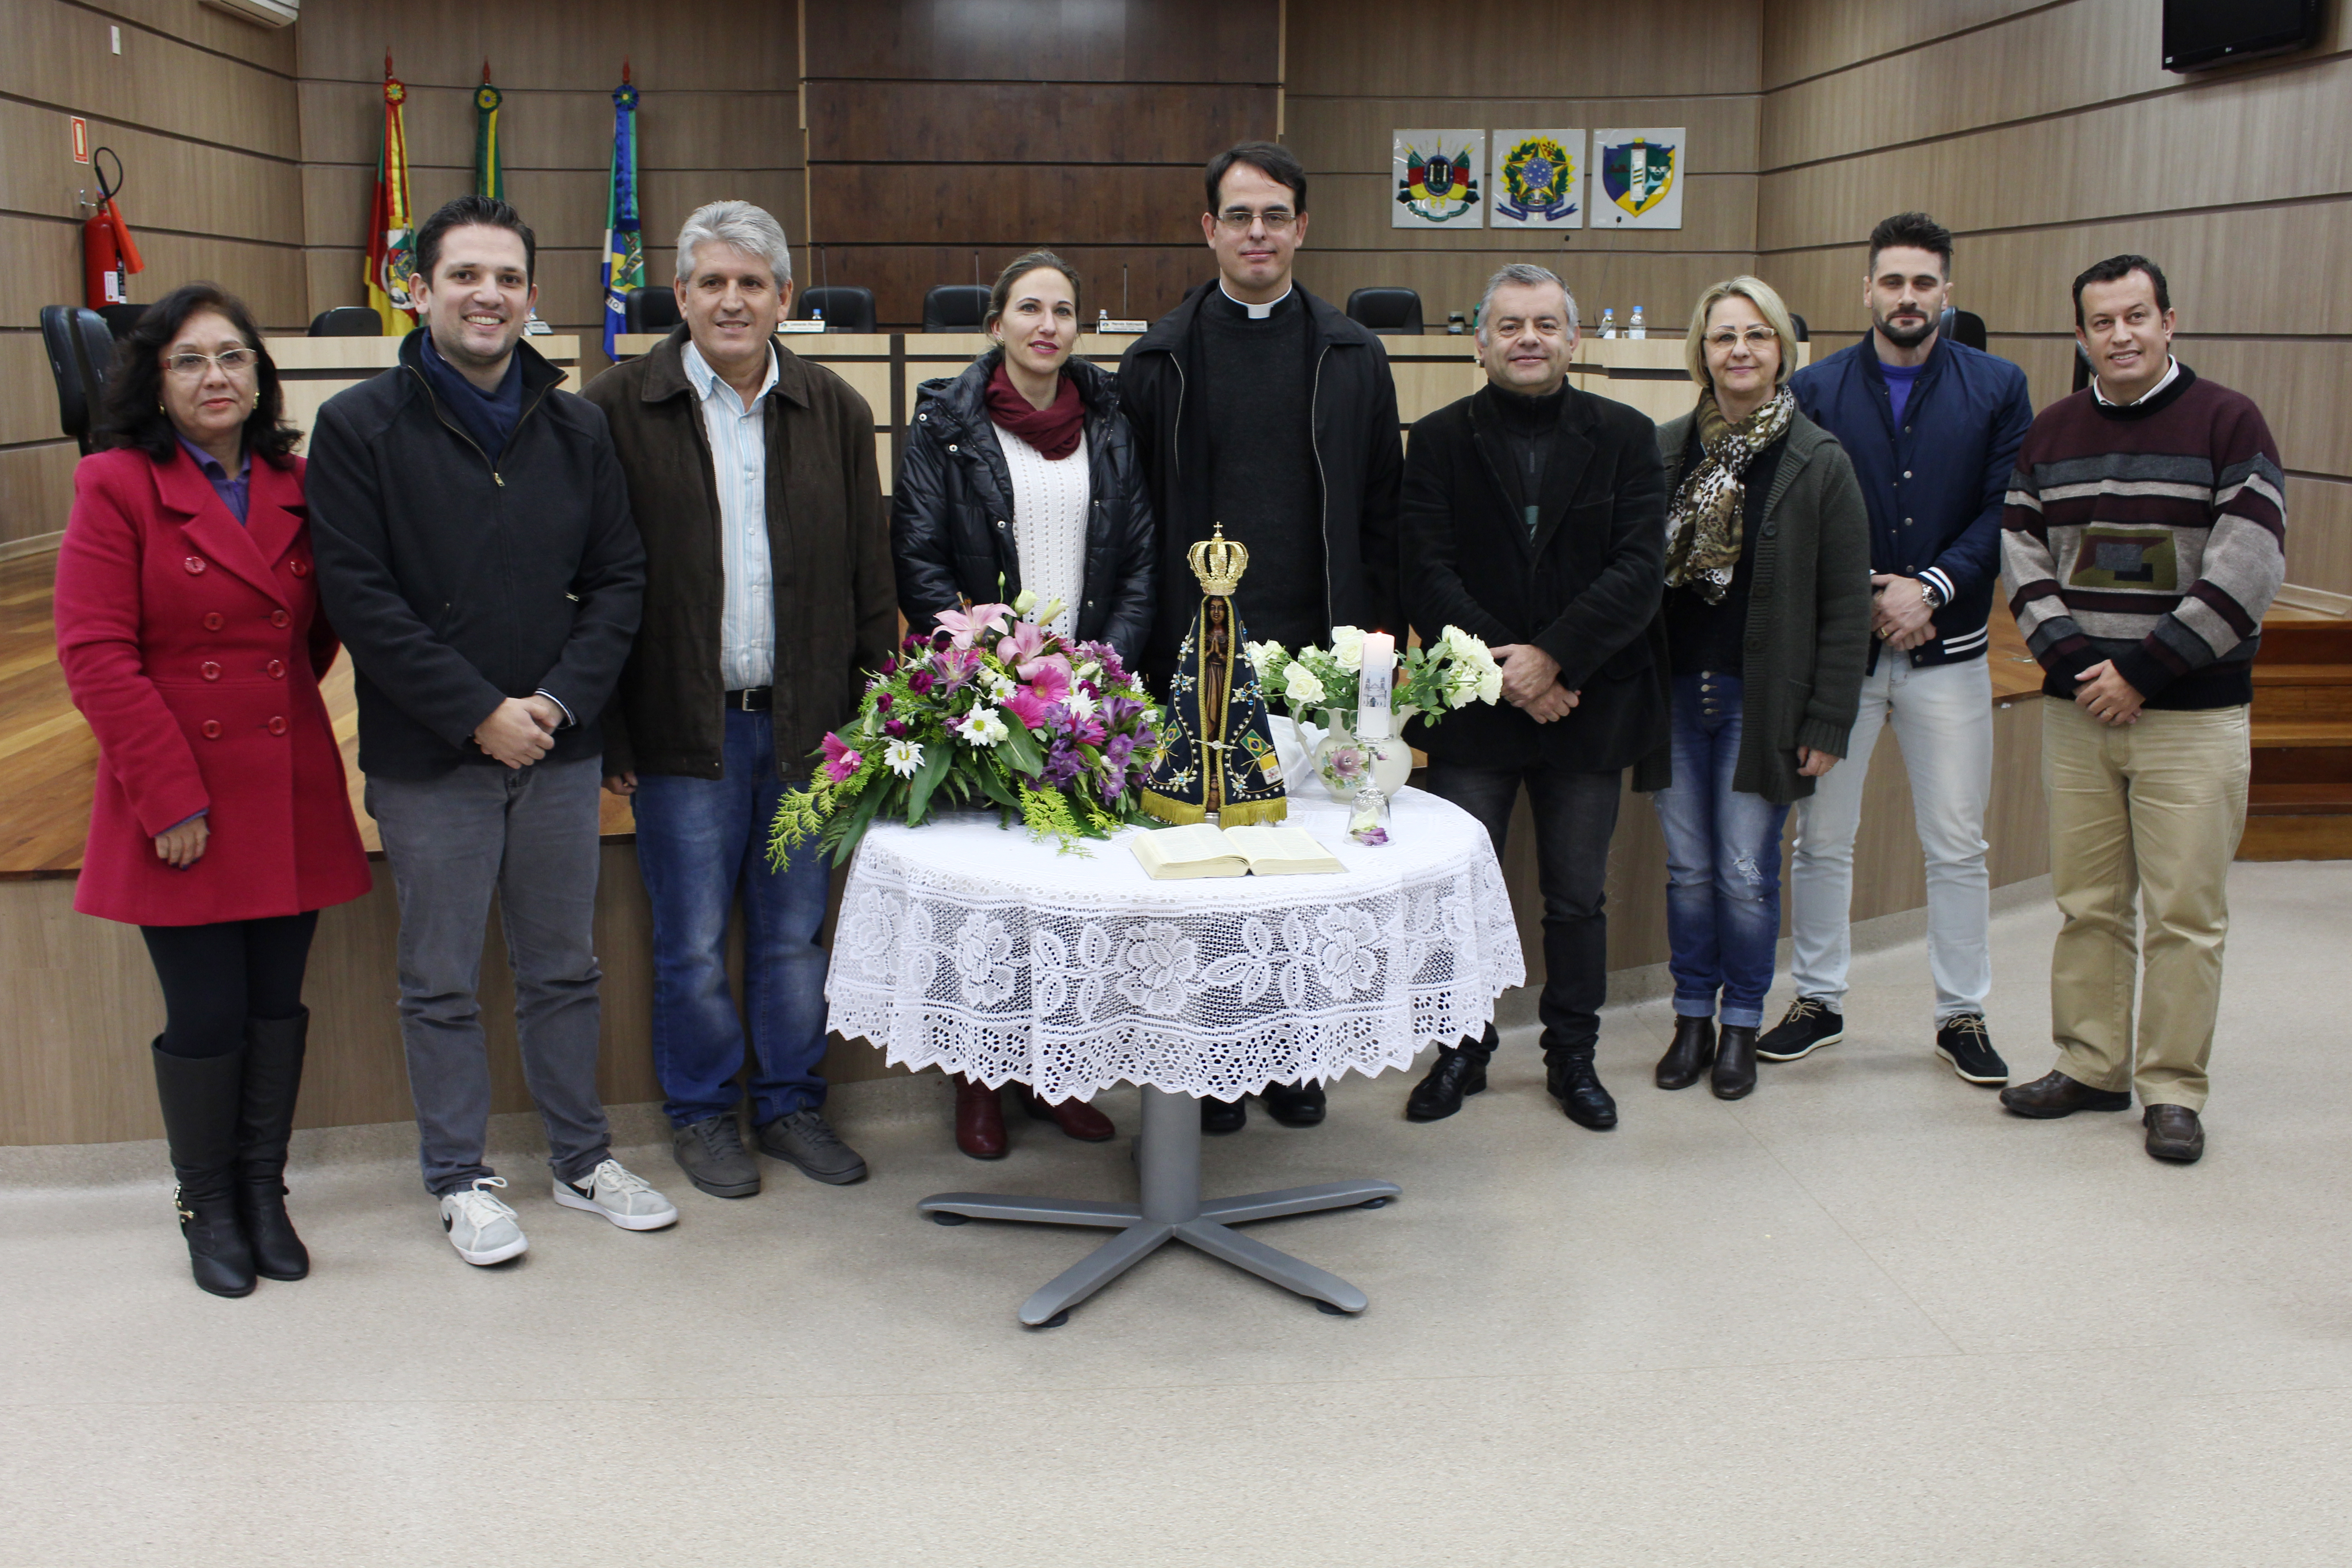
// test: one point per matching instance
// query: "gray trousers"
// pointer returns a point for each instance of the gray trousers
(529, 834)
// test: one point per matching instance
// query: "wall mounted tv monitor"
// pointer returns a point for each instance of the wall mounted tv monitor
(2202, 33)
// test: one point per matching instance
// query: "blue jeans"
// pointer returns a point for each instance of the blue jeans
(1723, 861)
(701, 842)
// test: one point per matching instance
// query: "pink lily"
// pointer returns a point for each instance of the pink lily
(841, 763)
(967, 626)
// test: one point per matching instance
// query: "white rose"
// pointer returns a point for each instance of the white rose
(1263, 656)
(1461, 686)
(1490, 682)
(1300, 684)
(1348, 646)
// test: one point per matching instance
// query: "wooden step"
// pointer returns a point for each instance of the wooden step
(2306, 838)
(2332, 798)
(2306, 642)
(2271, 733)
(2296, 691)
(2302, 764)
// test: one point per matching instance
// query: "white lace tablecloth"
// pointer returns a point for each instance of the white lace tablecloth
(967, 947)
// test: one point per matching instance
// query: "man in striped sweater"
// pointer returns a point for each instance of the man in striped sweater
(2144, 536)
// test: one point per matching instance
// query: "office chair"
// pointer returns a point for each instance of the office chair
(2083, 371)
(1964, 326)
(121, 318)
(846, 309)
(1391, 312)
(347, 322)
(649, 310)
(954, 308)
(1804, 332)
(80, 351)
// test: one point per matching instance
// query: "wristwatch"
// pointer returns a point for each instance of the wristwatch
(1933, 594)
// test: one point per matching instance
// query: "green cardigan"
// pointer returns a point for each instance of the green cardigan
(1808, 609)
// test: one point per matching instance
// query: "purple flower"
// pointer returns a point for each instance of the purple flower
(894, 728)
(921, 683)
(1116, 752)
(890, 665)
(1118, 710)
(884, 701)
(1374, 835)
(1061, 764)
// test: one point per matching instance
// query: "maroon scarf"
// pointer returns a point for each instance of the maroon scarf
(1054, 430)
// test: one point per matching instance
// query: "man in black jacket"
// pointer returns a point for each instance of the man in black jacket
(476, 554)
(1535, 519)
(1259, 406)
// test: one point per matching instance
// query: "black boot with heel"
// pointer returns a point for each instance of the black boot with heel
(202, 1097)
(273, 1081)
(1690, 1054)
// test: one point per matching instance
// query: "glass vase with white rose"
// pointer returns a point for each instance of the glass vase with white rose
(1427, 682)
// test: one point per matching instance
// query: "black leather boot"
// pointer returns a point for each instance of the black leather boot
(201, 1097)
(1734, 1062)
(1299, 1105)
(1688, 1057)
(1459, 1070)
(1579, 1090)
(273, 1081)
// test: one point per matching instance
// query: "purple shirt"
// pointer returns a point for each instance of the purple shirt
(233, 492)
(1900, 379)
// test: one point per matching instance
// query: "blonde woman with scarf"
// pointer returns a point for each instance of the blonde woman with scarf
(1768, 623)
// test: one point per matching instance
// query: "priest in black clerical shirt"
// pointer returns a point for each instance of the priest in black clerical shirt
(1259, 406)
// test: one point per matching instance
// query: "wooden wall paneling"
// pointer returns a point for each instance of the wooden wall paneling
(35, 491)
(1384, 48)
(2300, 386)
(1350, 135)
(2242, 272)
(577, 47)
(58, 55)
(2176, 152)
(171, 182)
(2319, 533)
(1156, 276)
(1110, 40)
(271, 48)
(44, 266)
(342, 122)
(1803, 38)
(29, 393)
(1665, 283)
(1031, 122)
(1015, 204)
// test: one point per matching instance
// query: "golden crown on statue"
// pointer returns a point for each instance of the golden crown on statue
(1219, 562)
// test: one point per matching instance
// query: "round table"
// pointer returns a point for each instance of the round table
(966, 947)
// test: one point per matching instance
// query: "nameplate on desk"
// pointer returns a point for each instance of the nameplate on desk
(782, 327)
(1130, 328)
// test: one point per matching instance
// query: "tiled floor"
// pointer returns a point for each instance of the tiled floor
(1861, 1317)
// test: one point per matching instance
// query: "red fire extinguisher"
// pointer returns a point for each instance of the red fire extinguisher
(108, 254)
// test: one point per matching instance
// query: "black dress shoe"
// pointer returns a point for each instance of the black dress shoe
(1222, 1116)
(2173, 1133)
(2055, 1094)
(1438, 1096)
(1689, 1056)
(1578, 1088)
(1300, 1106)
(1734, 1062)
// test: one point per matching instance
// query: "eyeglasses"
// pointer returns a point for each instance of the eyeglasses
(1755, 337)
(1278, 220)
(232, 362)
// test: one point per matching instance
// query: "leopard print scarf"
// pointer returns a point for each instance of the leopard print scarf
(1703, 524)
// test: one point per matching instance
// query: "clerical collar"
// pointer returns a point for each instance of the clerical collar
(1254, 312)
(2171, 374)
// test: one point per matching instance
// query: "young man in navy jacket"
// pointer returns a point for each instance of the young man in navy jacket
(1933, 428)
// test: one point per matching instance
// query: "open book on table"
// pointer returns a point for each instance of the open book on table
(1204, 849)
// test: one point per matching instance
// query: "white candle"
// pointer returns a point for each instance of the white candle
(1372, 687)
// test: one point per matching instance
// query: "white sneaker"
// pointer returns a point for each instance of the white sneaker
(480, 1227)
(621, 1198)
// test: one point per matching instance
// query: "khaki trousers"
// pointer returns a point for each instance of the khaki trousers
(2146, 814)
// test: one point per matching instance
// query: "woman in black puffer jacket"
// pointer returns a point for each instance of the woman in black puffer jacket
(1021, 474)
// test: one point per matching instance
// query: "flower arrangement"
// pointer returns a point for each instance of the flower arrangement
(991, 709)
(1430, 682)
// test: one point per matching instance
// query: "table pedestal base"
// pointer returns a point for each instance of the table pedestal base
(1167, 1157)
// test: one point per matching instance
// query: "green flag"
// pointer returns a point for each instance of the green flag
(489, 174)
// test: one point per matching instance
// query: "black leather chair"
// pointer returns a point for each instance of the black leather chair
(2083, 371)
(844, 309)
(347, 322)
(954, 308)
(1965, 327)
(649, 310)
(1391, 312)
(121, 318)
(80, 351)
(1804, 332)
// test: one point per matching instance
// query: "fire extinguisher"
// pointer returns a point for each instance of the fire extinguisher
(108, 254)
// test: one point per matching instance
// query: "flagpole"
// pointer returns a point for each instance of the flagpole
(623, 264)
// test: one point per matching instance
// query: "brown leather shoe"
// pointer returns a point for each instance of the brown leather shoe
(2055, 1094)
(1076, 1117)
(1689, 1056)
(1734, 1062)
(2174, 1133)
(979, 1120)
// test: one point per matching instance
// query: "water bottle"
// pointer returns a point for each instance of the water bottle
(1102, 321)
(1633, 328)
(818, 316)
(1608, 323)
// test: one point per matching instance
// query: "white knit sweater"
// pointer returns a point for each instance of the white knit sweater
(1049, 524)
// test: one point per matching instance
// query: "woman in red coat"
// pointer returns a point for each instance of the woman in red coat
(189, 630)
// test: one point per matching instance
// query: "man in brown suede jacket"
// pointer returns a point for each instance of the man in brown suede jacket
(767, 594)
